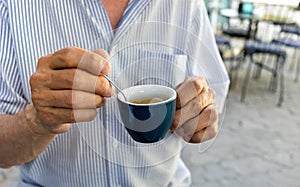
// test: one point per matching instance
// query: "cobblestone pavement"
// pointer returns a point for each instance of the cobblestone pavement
(258, 144)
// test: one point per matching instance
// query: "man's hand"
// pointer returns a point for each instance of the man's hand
(68, 87)
(196, 117)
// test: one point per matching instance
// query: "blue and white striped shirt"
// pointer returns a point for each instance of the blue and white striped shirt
(157, 41)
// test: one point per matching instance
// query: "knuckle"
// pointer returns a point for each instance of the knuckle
(37, 78)
(92, 62)
(32, 81)
(202, 100)
(66, 54)
(68, 51)
(36, 97)
(68, 77)
(41, 61)
(199, 83)
(205, 99)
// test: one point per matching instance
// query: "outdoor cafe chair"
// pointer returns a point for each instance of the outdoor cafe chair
(230, 55)
(292, 42)
(223, 43)
(253, 47)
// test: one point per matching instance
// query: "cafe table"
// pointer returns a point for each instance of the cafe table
(252, 18)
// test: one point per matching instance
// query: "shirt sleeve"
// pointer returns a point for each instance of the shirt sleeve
(206, 59)
(11, 90)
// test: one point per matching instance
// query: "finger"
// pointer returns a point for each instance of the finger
(206, 118)
(94, 84)
(73, 57)
(67, 99)
(204, 135)
(75, 79)
(104, 54)
(189, 90)
(52, 118)
(193, 108)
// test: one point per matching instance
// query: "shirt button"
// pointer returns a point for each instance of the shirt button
(115, 144)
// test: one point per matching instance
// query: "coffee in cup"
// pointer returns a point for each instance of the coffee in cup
(148, 112)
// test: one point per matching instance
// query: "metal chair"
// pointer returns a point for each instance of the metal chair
(223, 43)
(291, 40)
(253, 47)
(230, 55)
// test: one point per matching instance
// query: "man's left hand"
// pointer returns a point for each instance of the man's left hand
(196, 116)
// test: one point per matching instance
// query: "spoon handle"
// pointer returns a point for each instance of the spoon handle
(117, 87)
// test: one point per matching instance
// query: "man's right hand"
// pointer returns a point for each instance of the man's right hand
(68, 86)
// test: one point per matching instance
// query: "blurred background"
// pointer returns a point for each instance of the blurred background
(258, 142)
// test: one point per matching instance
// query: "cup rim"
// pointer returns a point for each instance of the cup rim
(121, 98)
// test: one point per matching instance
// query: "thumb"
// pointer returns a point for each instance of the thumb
(106, 68)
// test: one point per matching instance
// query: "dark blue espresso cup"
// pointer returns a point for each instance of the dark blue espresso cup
(148, 112)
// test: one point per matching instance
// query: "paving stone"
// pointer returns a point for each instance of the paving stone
(208, 184)
(231, 182)
(281, 158)
(295, 158)
(257, 180)
(250, 165)
(283, 178)
(197, 158)
(200, 180)
(217, 172)
(285, 144)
